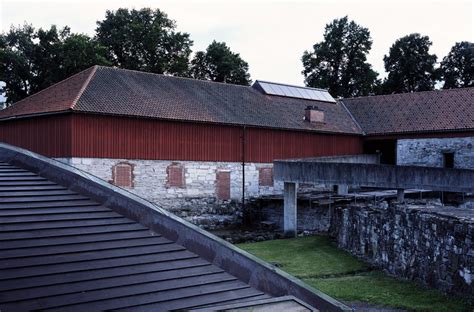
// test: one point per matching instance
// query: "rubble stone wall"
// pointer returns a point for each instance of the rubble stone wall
(429, 152)
(418, 243)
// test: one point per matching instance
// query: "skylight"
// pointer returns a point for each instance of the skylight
(273, 88)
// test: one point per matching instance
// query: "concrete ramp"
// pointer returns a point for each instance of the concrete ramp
(332, 171)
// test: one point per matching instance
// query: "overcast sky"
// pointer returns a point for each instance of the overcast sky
(270, 35)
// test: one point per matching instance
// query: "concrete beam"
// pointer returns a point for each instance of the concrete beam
(290, 221)
(350, 159)
(342, 189)
(400, 195)
(373, 175)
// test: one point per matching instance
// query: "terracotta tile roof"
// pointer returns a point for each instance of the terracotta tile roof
(58, 97)
(441, 110)
(106, 90)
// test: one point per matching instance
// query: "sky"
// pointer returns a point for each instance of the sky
(270, 35)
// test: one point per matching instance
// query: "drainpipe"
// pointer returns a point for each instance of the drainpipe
(245, 217)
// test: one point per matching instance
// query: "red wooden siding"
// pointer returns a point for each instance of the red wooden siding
(133, 138)
(98, 136)
(223, 185)
(265, 176)
(122, 175)
(265, 145)
(175, 176)
(47, 135)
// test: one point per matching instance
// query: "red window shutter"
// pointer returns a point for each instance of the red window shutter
(175, 175)
(123, 175)
(265, 176)
(223, 185)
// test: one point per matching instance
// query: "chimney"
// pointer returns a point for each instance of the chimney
(313, 114)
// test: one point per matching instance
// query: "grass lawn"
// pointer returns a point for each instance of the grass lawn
(320, 264)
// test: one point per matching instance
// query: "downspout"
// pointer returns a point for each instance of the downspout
(245, 217)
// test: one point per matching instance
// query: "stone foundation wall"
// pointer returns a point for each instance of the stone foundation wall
(429, 152)
(311, 217)
(195, 200)
(431, 245)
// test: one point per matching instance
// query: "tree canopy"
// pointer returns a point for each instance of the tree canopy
(339, 62)
(147, 40)
(457, 68)
(31, 60)
(410, 66)
(219, 63)
(144, 40)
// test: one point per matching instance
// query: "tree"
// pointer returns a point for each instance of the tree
(79, 52)
(17, 50)
(219, 63)
(33, 60)
(339, 62)
(410, 66)
(457, 68)
(144, 40)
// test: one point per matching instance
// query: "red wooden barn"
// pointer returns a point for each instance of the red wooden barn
(190, 144)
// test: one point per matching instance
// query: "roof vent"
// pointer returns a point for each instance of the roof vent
(313, 114)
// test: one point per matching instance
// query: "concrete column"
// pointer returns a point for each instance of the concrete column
(342, 189)
(289, 209)
(400, 195)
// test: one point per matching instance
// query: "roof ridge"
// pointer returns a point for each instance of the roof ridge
(84, 86)
(352, 117)
(408, 93)
(171, 76)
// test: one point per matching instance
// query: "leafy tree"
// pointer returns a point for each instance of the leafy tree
(17, 50)
(79, 52)
(144, 40)
(33, 60)
(219, 63)
(457, 68)
(410, 66)
(339, 62)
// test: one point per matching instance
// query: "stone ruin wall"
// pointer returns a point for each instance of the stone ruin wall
(427, 244)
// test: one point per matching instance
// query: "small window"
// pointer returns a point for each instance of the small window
(223, 185)
(122, 175)
(265, 176)
(448, 159)
(175, 175)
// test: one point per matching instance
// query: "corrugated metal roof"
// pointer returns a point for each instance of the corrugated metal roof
(62, 251)
(106, 90)
(428, 111)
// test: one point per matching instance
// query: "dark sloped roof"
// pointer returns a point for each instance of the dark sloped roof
(107, 90)
(442, 110)
(63, 251)
(72, 242)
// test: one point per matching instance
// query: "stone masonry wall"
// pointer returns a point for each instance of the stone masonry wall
(196, 199)
(429, 152)
(429, 244)
(311, 216)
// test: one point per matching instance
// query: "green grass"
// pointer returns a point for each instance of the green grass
(320, 264)
(306, 257)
